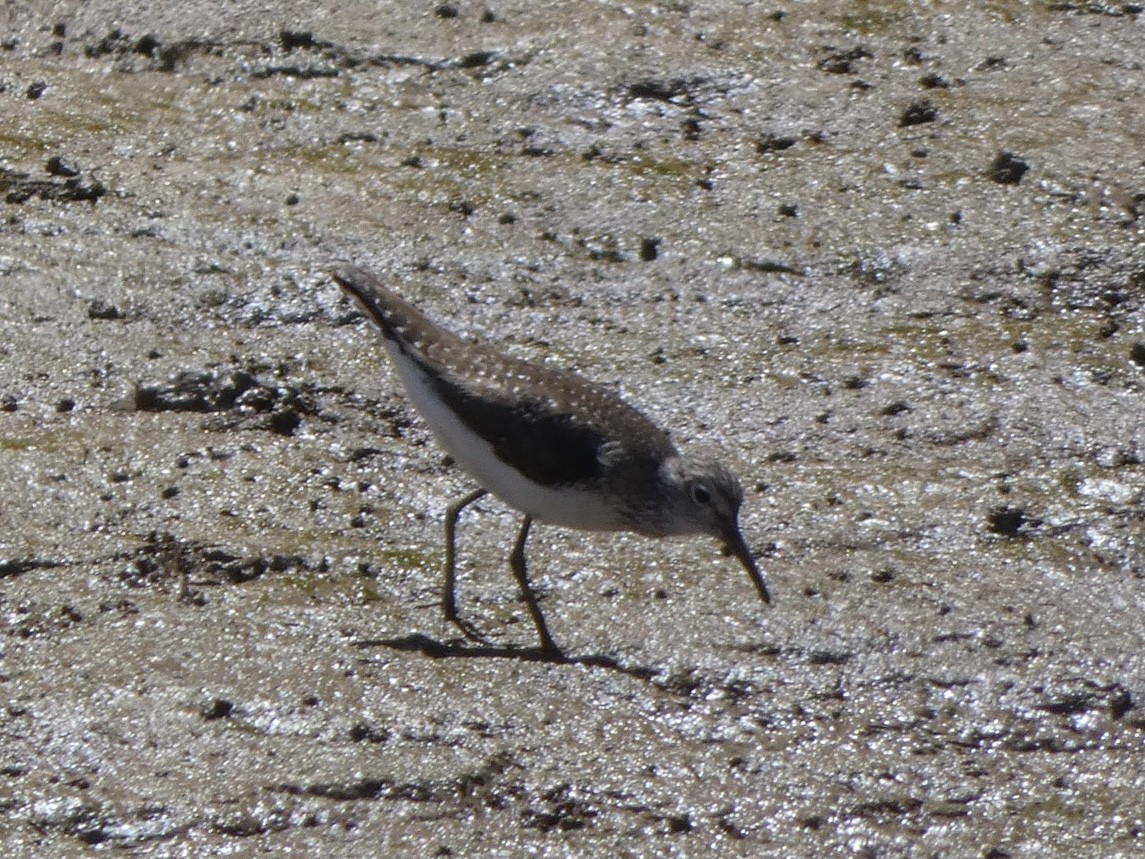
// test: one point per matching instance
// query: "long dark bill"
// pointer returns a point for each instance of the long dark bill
(737, 546)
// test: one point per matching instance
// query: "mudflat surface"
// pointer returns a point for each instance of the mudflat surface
(886, 260)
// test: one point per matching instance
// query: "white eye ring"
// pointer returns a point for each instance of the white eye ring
(701, 495)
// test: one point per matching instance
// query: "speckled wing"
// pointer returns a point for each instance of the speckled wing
(554, 427)
(528, 417)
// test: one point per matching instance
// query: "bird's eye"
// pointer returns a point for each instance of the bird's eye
(701, 495)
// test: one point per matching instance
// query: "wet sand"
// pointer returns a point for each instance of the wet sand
(886, 261)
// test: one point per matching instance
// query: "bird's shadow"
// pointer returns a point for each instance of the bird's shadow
(434, 649)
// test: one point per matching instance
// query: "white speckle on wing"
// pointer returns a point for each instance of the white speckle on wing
(583, 510)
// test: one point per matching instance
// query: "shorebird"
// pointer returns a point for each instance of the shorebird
(560, 449)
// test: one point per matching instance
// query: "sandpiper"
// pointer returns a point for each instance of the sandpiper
(558, 448)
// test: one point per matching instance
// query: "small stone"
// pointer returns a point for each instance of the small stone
(1137, 353)
(292, 39)
(216, 708)
(1007, 169)
(100, 309)
(918, 113)
(1006, 521)
(57, 166)
(147, 45)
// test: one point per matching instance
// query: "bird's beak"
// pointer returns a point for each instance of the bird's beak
(736, 546)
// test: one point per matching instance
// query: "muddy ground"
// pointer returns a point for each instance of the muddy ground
(886, 258)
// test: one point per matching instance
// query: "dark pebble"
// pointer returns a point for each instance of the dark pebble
(918, 113)
(1007, 169)
(476, 59)
(100, 309)
(216, 708)
(285, 421)
(147, 45)
(292, 39)
(57, 166)
(1006, 521)
(649, 249)
(1137, 353)
(773, 143)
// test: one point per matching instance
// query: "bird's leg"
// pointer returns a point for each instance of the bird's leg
(517, 562)
(448, 597)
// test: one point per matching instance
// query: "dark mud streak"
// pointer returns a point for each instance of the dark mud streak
(18, 566)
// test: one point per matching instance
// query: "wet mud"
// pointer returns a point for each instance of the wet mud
(885, 259)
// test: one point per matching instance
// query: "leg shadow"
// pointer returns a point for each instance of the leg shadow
(434, 649)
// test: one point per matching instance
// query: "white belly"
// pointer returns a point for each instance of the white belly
(566, 507)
